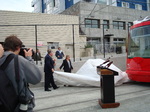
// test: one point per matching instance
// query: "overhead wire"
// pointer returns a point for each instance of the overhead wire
(90, 12)
(109, 5)
(97, 10)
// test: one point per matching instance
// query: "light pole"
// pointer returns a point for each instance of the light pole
(36, 43)
(103, 41)
(73, 42)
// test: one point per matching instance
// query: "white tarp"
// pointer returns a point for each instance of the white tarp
(87, 75)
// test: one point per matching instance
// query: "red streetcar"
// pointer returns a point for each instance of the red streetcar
(138, 55)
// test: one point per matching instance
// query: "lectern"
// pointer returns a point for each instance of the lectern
(107, 87)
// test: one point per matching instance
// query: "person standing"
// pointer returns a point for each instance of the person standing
(59, 53)
(49, 70)
(37, 56)
(28, 71)
(67, 66)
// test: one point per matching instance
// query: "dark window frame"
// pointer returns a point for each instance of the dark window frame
(90, 23)
(119, 25)
(106, 25)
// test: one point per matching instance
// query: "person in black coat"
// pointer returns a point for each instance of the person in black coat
(37, 55)
(67, 66)
(49, 69)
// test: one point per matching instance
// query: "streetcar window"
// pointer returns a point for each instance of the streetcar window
(139, 42)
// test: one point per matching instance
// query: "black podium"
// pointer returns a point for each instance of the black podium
(107, 87)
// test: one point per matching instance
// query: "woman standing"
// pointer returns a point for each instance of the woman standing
(67, 66)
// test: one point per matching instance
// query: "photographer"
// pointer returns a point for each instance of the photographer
(28, 71)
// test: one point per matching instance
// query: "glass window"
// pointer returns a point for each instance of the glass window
(119, 25)
(53, 45)
(115, 39)
(119, 40)
(139, 45)
(92, 23)
(115, 25)
(125, 4)
(102, 1)
(138, 6)
(106, 24)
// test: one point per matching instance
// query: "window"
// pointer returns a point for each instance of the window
(102, 1)
(92, 23)
(138, 6)
(53, 45)
(106, 24)
(50, 7)
(139, 42)
(119, 25)
(54, 4)
(125, 4)
(119, 41)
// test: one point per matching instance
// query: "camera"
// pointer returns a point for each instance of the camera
(22, 53)
(24, 100)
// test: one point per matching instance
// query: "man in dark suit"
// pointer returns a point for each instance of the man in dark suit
(49, 69)
(67, 66)
(59, 53)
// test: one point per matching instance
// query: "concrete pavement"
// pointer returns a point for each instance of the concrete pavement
(133, 97)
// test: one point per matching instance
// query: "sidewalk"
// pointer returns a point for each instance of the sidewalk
(133, 97)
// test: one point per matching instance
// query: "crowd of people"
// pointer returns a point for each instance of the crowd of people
(29, 71)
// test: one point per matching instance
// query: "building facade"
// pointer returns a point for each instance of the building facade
(105, 23)
(57, 6)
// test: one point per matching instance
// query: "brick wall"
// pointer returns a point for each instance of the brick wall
(47, 31)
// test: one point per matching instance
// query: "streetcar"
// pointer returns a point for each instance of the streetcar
(138, 52)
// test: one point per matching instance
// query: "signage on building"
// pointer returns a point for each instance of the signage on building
(39, 43)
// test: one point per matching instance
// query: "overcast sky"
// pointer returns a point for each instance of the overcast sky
(16, 5)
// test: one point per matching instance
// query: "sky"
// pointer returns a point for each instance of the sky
(16, 5)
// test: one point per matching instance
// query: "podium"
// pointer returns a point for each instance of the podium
(107, 87)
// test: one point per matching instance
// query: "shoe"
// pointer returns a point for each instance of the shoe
(56, 87)
(47, 90)
(49, 86)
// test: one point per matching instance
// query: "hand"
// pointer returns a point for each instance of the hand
(1, 51)
(58, 69)
(52, 70)
(54, 59)
(28, 53)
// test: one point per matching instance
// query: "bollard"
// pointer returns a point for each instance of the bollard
(107, 87)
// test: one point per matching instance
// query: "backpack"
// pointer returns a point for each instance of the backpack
(8, 95)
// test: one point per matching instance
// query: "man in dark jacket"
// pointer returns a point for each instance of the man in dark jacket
(49, 69)
(67, 66)
(59, 53)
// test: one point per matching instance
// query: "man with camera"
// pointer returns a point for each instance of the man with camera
(28, 71)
